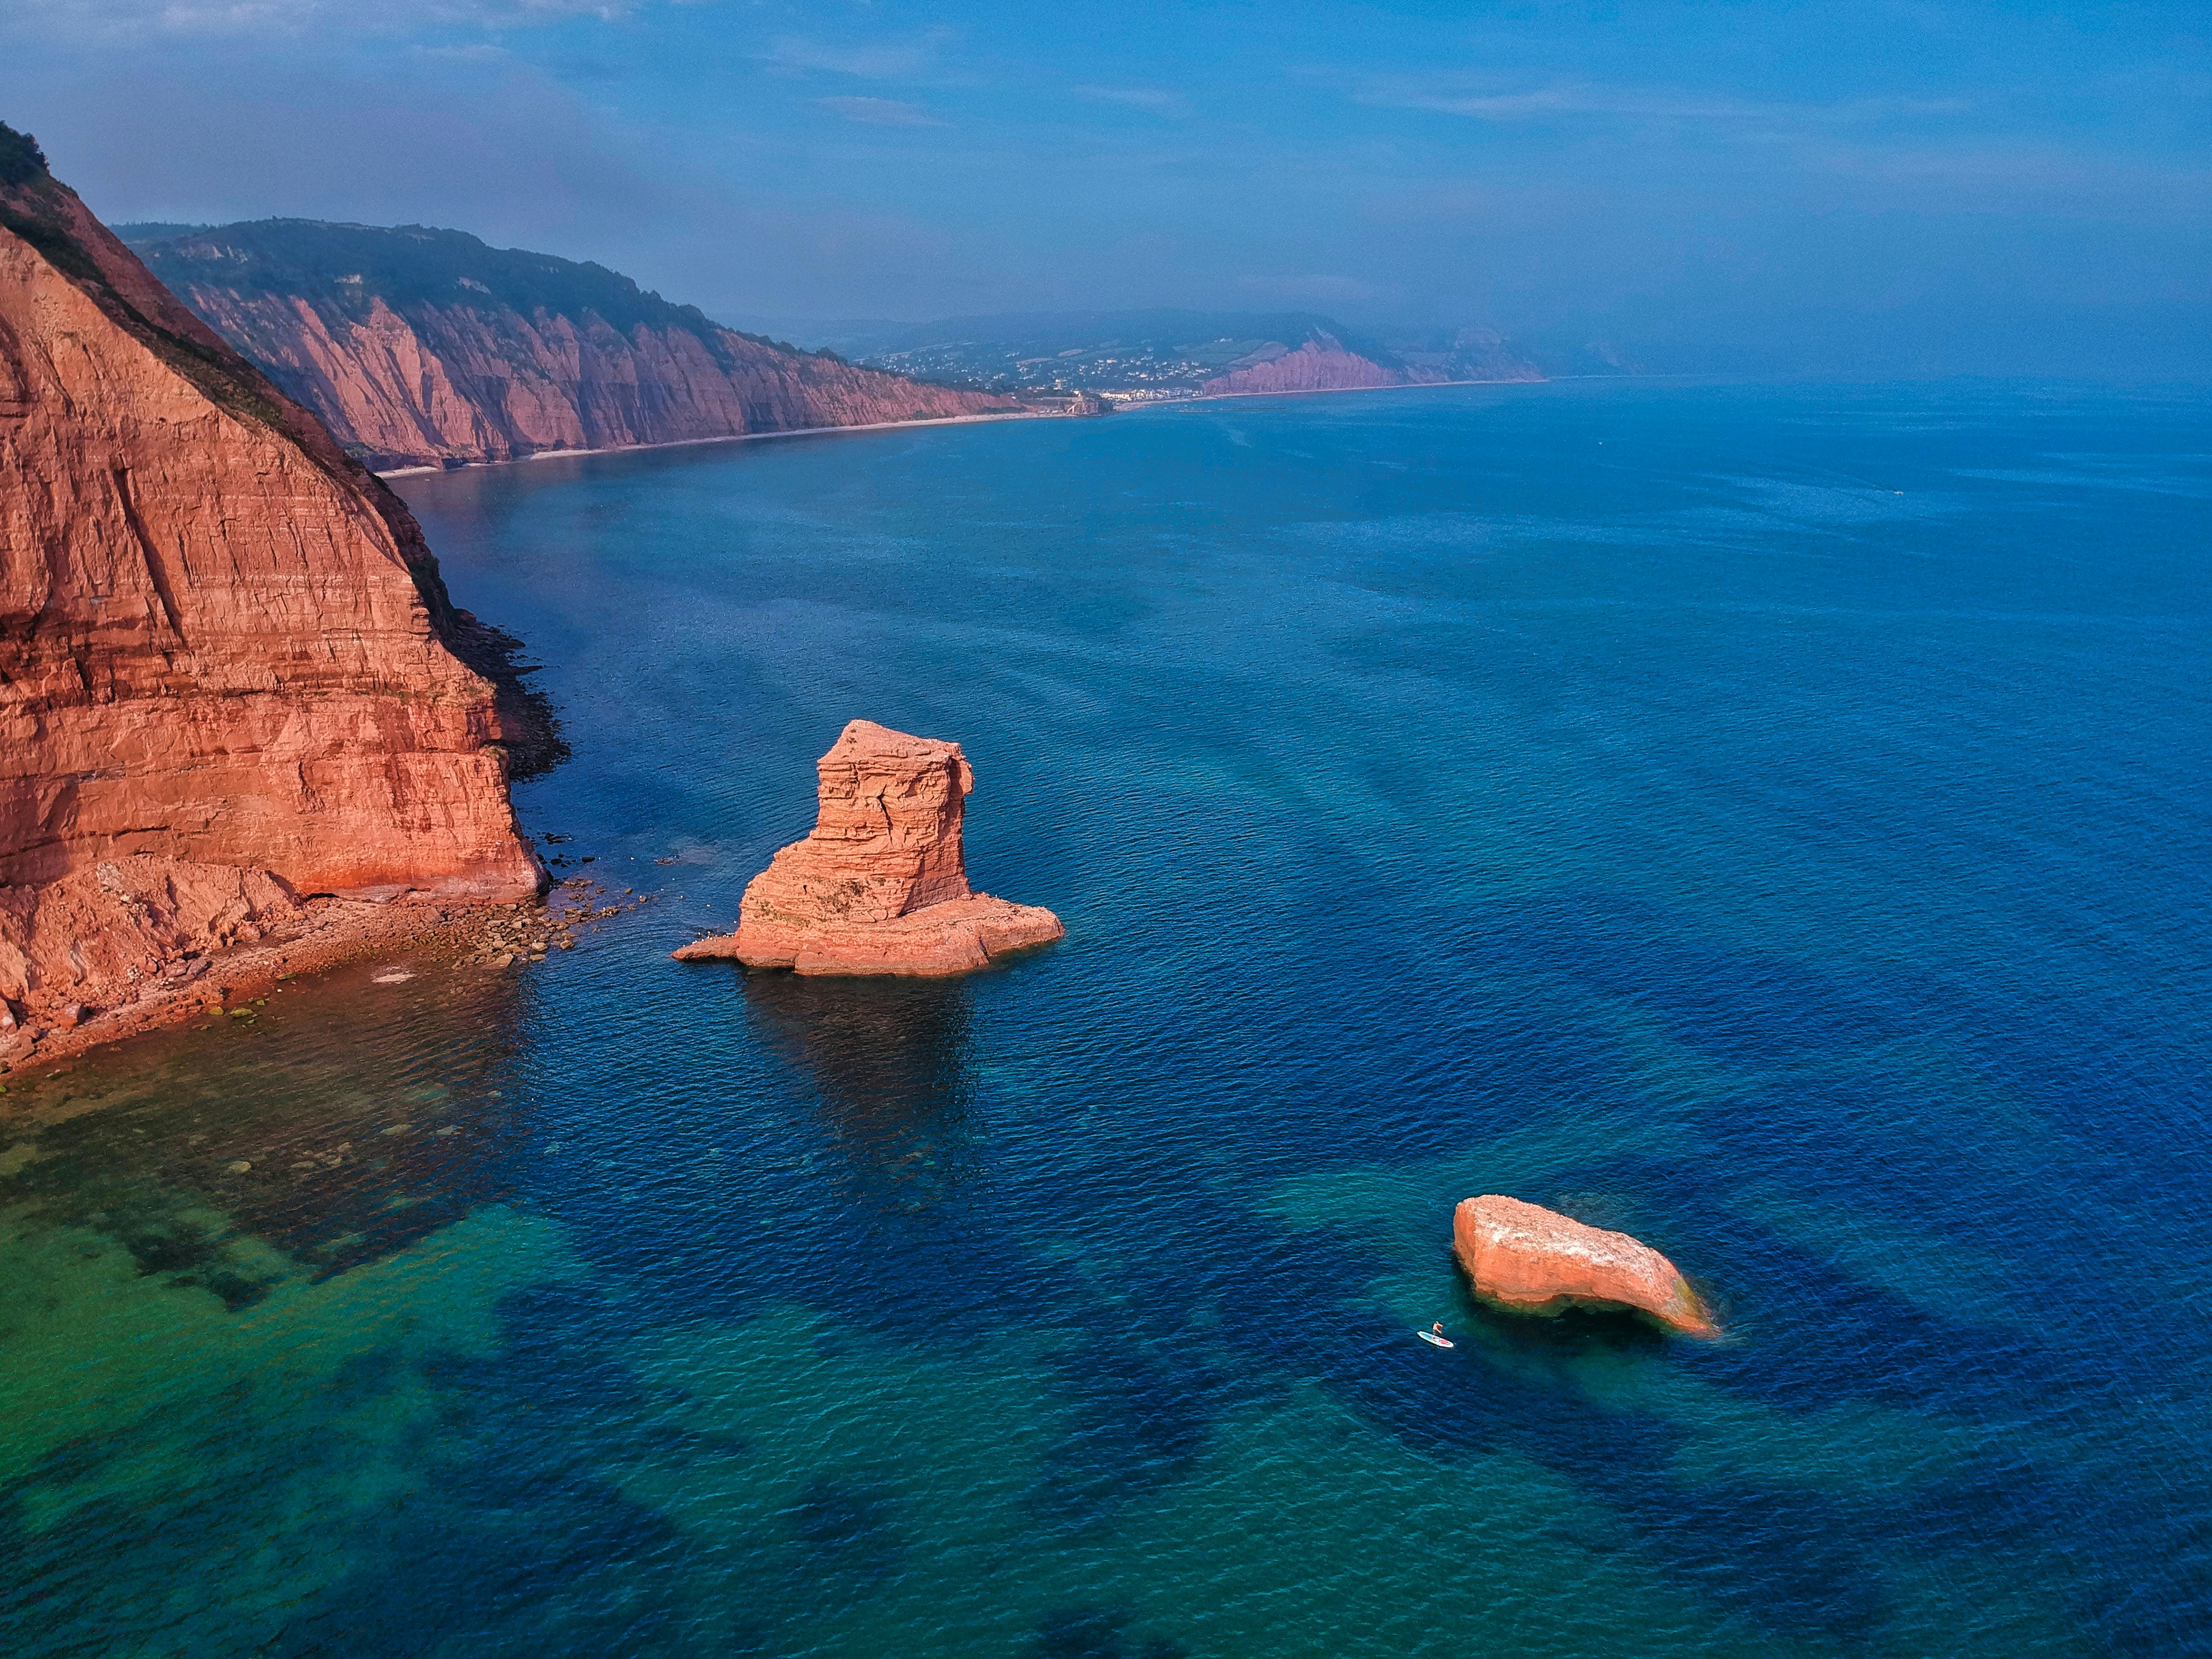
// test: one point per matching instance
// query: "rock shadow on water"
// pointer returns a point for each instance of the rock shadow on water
(1797, 1563)
(893, 1064)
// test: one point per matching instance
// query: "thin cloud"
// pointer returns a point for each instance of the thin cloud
(1145, 97)
(2026, 175)
(103, 22)
(1583, 98)
(482, 51)
(110, 22)
(865, 60)
(880, 111)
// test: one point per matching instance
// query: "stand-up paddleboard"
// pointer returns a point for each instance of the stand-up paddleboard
(1434, 1341)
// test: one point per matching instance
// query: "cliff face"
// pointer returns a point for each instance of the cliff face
(1318, 365)
(1323, 362)
(426, 348)
(221, 643)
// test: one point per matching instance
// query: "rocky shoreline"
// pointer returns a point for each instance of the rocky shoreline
(330, 933)
(913, 423)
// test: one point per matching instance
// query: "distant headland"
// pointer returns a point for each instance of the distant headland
(426, 348)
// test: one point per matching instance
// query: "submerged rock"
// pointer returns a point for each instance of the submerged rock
(1530, 1260)
(881, 884)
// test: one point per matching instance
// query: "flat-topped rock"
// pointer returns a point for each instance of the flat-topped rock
(881, 884)
(1530, 1260)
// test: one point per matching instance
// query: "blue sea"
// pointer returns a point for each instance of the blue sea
(1772, 821)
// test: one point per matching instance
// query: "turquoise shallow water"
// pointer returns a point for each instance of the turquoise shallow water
(1772, 821)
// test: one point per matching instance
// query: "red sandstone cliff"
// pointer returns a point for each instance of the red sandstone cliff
(422, 347)
(1319, 365)
(227, 669)
(1324, 364)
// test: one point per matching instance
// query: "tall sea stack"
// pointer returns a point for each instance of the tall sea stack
(881, 884)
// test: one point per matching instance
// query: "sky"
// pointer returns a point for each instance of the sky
(1792, 186)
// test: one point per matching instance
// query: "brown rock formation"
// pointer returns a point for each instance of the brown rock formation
(1324, 364)
(1319, 365)
(1531, 1260)
(422, 347)
(221, 643)
(125, 926)
(881, 886)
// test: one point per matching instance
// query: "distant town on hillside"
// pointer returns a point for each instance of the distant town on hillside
(1143, 355)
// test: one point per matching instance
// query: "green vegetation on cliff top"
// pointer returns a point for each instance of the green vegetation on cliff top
(42, 211)
(21, 159)
(344, 267)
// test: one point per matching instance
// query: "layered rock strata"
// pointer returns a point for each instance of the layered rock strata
(228, 663)
(1318, 365)
(1529, 1259)
(1323, 362)
(426, 348)
(881, 884)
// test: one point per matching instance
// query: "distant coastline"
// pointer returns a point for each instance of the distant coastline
(1331, 390)
(733, 438)
(949, 420)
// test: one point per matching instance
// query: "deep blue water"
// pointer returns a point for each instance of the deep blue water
(1770, 821)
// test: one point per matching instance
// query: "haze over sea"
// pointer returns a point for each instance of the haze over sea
(1770, 821)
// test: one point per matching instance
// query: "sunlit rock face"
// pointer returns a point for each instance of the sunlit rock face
(222, 643)
(426, 348)
(1318, 365)
(1529, 1259)
(881, 884)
